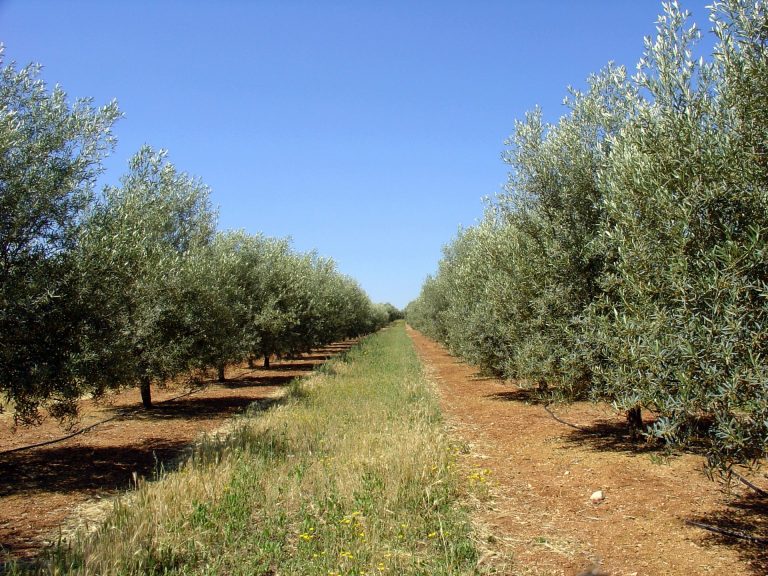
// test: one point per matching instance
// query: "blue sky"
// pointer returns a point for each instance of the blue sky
(369, 131)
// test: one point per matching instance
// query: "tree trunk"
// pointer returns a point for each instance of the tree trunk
(221, 374)
(146, 392)
(635, 421)
(266, 360)
(250, 362)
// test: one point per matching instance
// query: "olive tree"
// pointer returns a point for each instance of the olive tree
(50, 157)
(271, 296)
(216, 288)
(136, 243)
(300, 301)
(551, 213)
(393, 312)
(682, 323)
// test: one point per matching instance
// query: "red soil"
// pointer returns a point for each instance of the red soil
(540, 520)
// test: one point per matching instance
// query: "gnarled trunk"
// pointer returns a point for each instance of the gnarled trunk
(221, 375)
(266, 360)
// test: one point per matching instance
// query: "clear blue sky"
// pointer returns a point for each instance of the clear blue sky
(368, 130)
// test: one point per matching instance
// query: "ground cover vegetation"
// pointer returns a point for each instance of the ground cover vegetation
(627, 259)
(351, 474)
(134, 285)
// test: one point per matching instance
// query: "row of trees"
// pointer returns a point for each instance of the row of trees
(627, 259)
(134, 285)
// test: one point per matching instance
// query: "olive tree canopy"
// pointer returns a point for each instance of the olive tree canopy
(50, 157)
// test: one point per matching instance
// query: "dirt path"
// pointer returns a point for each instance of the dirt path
(542, 473)
(41, 487)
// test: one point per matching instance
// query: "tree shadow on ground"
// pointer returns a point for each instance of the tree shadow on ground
(334, 349)
(339, 346)
(294, 366)
(307, 361)
(191, 408)
(482, 378)
(310, 361)
(523, 395)
(746, 515)
(257, 381)
(614, 436)
(319, 358)
(84, 468)
(97, 471)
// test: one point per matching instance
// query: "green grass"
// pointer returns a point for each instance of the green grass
(352, 474)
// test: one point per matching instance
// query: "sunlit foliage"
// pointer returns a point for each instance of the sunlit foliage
(627, 259)
(134, 286)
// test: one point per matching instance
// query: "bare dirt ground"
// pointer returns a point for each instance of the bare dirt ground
(539, 518)
(41, 487)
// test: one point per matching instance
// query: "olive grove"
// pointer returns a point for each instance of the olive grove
(627, 259)
(134, 285)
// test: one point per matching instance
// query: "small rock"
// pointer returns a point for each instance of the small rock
(597, 497)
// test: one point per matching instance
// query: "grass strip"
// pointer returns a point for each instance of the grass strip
(351, 474)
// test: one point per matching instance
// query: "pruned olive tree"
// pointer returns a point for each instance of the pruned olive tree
(393, 312)
(682, 323)
(135, 254)
(217, 289)
(50, 157)
(271, 297)
(352, 313)
(552, 211)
